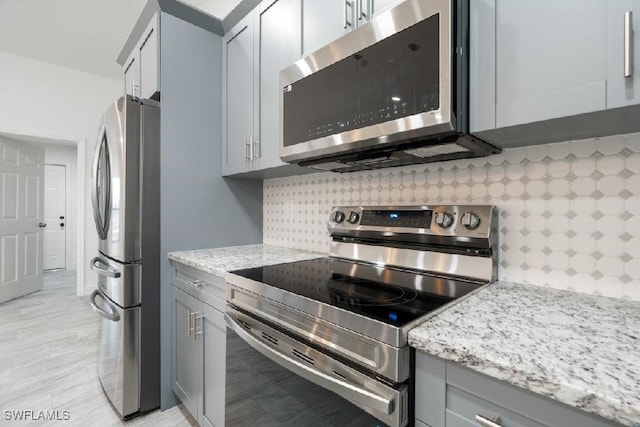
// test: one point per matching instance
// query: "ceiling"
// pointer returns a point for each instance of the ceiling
(83, 34)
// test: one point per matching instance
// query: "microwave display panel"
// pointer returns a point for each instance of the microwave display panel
(394, 78)
(397, 218)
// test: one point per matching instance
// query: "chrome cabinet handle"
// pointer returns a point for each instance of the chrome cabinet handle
(255, 149)
(346, 22)
(247, 147)
(109, 271)
(352, 392)
(361, 13)
(195, 283)
(485, 422)
(195, 326)
(189, 329)
(192, 324)
(113, 316)
(628, 44)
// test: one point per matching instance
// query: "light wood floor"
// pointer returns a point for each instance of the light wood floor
(48, 353)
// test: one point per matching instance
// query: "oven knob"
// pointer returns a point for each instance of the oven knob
(470, 221)
(353, 217)
(338, 217)
(444, 219)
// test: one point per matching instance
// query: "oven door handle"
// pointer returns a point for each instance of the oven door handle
(352, 392)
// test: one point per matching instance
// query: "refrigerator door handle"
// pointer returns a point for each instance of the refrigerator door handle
(109, 271)
(102, 222)
(113, 316)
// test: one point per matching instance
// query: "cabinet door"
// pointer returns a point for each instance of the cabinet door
(550, 59)
(132, 75)
(324, 21)
(185, 369)
(623, 90)
(238, 95)
(150, 60)
(379, 6)
(278, 41)
(214, 344)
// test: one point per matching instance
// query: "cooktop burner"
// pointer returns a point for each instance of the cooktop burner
(395, 297)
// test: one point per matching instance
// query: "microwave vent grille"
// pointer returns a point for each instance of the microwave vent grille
(437, 150)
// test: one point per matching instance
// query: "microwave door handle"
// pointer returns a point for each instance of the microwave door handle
(352, 392)
(113, 316)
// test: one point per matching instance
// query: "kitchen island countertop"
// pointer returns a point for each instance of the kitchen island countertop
(582, 350)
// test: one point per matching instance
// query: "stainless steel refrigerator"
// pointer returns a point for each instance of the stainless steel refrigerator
(125, 191)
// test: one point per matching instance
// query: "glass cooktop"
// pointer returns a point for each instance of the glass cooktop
(395, 297)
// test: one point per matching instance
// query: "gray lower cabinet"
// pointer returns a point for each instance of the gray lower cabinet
(450, 395)
(199, 345)
(186, 384)
(214, 338)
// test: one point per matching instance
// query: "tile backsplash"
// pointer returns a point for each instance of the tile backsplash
(569, 212)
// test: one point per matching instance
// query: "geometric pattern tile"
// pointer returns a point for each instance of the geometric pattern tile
(569, 221)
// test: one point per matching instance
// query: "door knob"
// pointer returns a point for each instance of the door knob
(42, 225)
(62, 224)
(61, 217)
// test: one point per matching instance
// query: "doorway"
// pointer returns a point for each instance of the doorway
(75, 162)
(55, 216)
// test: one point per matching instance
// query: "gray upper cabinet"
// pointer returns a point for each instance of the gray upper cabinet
(132, 75)
(142, 68)
(539, 74)
(278, 40)
(237, 94)
(325, 21)
(623, 61)
(255, 50)
(550, 59)
(150, 60)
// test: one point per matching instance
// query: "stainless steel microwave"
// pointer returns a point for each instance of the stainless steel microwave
(390, 93)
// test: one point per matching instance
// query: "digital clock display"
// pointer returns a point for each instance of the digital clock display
(397, 218)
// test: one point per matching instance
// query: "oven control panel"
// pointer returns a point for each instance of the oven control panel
(441, 220)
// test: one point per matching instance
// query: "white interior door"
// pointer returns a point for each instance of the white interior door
(21, 213)
(55, 202)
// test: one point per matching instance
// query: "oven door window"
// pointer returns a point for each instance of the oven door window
(261, 392)
(394, 78)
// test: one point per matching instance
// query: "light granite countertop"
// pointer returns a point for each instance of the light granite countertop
(582, 350)
(219, 261)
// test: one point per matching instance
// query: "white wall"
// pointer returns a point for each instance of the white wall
(67, 156)
(46, 100)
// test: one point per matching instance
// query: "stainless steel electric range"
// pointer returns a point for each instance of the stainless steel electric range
(324, 341)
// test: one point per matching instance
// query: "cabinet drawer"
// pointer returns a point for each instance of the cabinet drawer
(463, 408)
(530, 406)
(206, 287)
